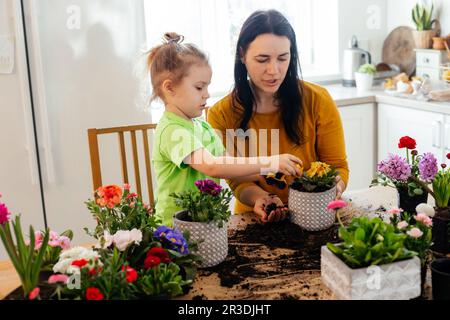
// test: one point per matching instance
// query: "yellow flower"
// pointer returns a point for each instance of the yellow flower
(319, 169)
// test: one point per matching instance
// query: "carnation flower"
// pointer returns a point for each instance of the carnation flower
(415, 233)
(395, 211)
(208, 186)
(402, 225)
(55, 278)
(423, 218)
(64, 264)
(428, 167)
(395, 167)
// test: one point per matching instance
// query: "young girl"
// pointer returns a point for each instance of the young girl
(185, 148)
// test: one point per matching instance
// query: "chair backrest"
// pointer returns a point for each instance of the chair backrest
(121, 132)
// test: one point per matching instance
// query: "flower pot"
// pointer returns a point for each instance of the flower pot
(439, 43)
(394, 281)
(440, 279)
(408, 203)
(440, 231)
(309, 210)
(213, 241)
(364, 81)
(423, 39)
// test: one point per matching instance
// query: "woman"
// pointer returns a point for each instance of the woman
(270, 100)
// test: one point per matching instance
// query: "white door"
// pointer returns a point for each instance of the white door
(84, 58)
(359, 129)
(19, 181)
(395, 122)
(446, 140)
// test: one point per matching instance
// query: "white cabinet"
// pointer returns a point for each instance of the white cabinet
(447, 135)
(359, 124)
(427, 128)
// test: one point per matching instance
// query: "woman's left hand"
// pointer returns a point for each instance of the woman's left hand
(340, 187)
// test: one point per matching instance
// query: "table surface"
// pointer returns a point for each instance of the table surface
(280, 283)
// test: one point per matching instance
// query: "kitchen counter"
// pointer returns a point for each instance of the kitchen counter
(344, 96)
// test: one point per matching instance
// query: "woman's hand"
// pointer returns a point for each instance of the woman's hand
(276, 215)
(340, 187)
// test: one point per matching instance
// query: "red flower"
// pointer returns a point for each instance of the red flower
(407, 142)
(34, 293)
(79, 263)
(93, 293)
(131, 274)
(448, 156)
(132, 195)
(109, 196)
(161, 253)
(94, 271)
(151, 261)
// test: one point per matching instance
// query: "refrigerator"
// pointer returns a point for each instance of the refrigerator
(66, 66)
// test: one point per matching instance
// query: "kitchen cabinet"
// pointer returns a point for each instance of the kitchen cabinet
(427, 128)
(359, 124)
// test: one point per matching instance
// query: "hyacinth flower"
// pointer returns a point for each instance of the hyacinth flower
(26, 260)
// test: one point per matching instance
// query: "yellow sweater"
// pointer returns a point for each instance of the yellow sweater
(322, 130)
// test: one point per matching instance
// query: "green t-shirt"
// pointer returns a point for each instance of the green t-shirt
(175, 139)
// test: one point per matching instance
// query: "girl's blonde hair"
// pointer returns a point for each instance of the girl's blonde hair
(172, 60)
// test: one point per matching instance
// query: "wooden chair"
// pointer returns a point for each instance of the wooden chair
(121, 131)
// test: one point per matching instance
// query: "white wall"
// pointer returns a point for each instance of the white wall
(367, 20)
(399, 14)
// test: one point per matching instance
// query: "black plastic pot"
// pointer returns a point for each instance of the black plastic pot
(440, 231)
(440, 279)
(408, 203)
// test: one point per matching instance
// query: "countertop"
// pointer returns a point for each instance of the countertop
(344, 96)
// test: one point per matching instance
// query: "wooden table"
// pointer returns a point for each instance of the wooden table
(278, 284)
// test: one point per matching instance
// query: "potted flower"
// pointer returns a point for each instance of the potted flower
(422, 18)
(441, 221)
(411, 176)
(309, 196)
(419, 234)
(364, 77)
(204, 216)
(371, 262)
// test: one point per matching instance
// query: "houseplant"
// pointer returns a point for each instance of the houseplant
(364, 77)
(441, 221)
(371, 262)
(422, 18)
(411, 176)
(309, 196)
(204, 216)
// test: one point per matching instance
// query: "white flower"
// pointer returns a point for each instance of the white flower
(108, 240)
(425, 208)
(402, 225)
(415, 233)
(124, 238)
(66, 258)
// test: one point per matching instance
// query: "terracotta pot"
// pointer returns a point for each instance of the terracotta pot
(423, 39)
(439, 43)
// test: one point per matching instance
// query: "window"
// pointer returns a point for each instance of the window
(214, 26)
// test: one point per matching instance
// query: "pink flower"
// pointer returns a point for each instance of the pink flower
(54, 278)
(336, 204)
(126, 186)
(423, 218)
(34, 293)
(395, 211)
(402, 225)
(4, 214)
(415, 233)
(38, 236)
(64, 242)
(53, 240)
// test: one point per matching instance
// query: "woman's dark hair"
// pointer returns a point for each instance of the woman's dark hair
(289, 95)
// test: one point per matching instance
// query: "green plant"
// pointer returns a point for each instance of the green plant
(320, 177)
(368, 68)
(370, 242)
(26, 260)
(163, 279)
(441, 188)
(421, 16)
(209, 203)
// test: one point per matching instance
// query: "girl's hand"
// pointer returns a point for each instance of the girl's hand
(340, 187)
(287, 164)
(276, 215)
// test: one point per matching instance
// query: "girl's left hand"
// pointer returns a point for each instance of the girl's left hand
(340, 187)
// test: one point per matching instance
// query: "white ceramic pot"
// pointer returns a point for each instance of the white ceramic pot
(364, 81)
(309, 210)
(213, 241)
(394, 281)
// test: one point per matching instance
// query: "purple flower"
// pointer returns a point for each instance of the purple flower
(428, 167)
(395, 167)
(4, 214)
(208, 186)
(174, 237)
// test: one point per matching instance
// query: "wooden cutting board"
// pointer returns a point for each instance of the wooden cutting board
(398, 48)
